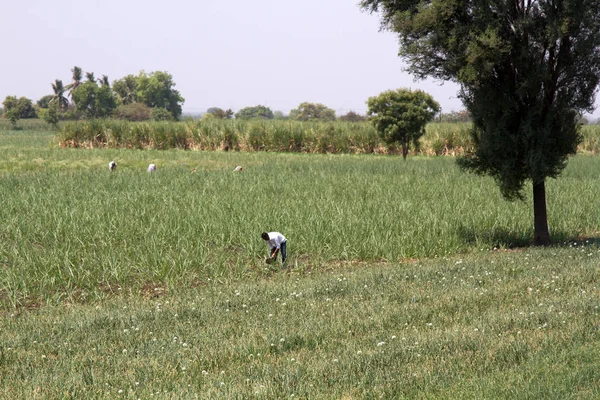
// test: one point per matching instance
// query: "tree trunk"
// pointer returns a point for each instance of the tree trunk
(540, 218)
(404, 150)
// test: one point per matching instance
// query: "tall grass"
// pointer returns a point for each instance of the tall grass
(405, 279)
(70, 226)
(274, 136)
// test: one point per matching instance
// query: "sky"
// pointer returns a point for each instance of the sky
(227, 54)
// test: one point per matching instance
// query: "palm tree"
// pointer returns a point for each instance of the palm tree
(90, 77)
(103, 81)
(58, 96)
(76, 82)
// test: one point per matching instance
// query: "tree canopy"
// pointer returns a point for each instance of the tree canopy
(400, 116)
(219, 113)
(526, 70)
(21, 107)
(94, 101)
(156, 90)
(255, 112)
(312, 112)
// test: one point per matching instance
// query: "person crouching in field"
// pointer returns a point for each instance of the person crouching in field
(276, 242)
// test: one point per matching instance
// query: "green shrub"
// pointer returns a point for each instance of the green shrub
(161, 114)
(133, 112)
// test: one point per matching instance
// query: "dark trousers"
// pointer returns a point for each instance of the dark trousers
(282, 250)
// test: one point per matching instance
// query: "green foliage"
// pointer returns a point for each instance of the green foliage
(312, 112)
(255, 112)
(526, 71)
(400, 116)
(10, 102)
(126, 89)
(59, 95)
(44, 101)
(13, 116)
(157, 90)
(161, 114)
(94, 101)
(133, 112)
(25, 107)
(76, 80)
(352, 116)
(51, 115)
(219, 113)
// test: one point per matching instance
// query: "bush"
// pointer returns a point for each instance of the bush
(51, 115)
(161, 114)
(134, 112)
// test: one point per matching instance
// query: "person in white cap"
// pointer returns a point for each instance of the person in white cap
(276, 242)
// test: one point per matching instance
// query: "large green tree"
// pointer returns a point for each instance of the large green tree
(400, 116)
(94, 101)
(526, 69)
(126, 89)
(156, 90)
(312, 112)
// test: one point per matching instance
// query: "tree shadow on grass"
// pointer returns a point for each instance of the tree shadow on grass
(503, 238)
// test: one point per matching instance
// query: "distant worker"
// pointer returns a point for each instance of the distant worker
(276, 242)
(112, 166)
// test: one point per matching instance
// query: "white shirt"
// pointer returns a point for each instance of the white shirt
(275, 240)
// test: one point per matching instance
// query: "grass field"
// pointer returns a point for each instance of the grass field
(405, 279)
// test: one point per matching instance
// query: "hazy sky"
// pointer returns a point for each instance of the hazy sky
(228, 54)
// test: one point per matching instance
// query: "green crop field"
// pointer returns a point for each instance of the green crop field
(404, 279)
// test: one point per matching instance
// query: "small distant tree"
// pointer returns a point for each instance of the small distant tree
(219, 113)
(25, 107)
(254, 112)
(9, 103)
(400, 116)
(51, 115)
(13, 116)
(351, 116)
(312, 112)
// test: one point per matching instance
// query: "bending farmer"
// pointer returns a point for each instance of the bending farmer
(276, 242)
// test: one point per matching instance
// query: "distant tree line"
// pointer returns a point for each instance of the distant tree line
(304, 112)
(135, 97)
